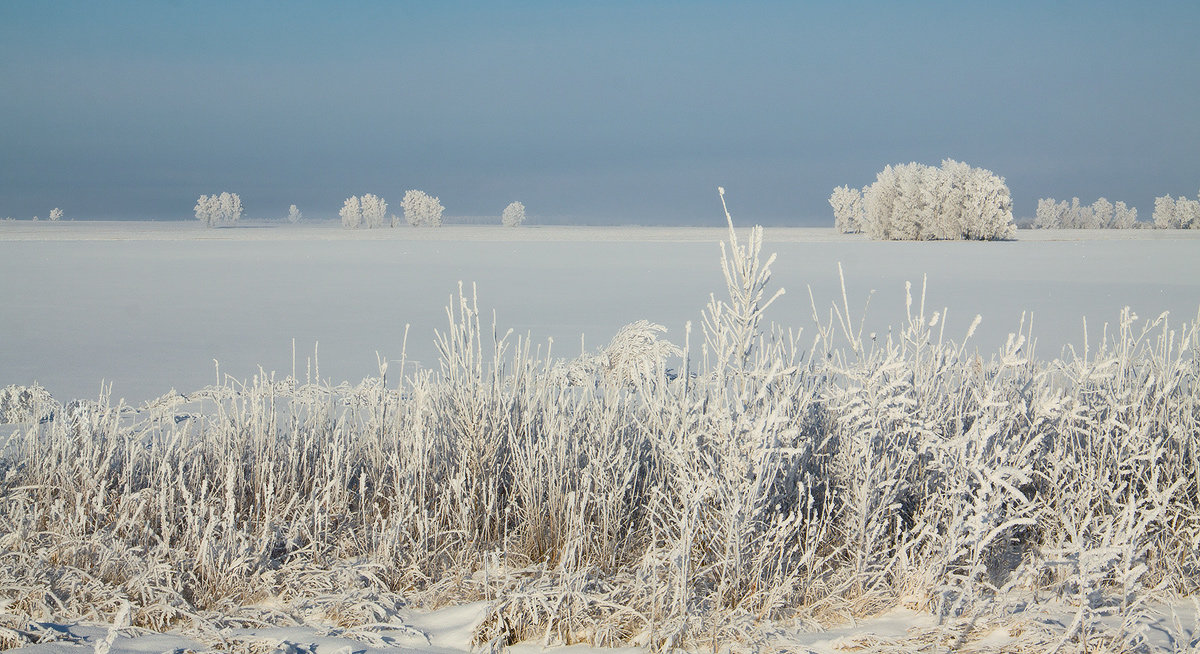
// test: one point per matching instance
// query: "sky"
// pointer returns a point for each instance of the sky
(609, 112)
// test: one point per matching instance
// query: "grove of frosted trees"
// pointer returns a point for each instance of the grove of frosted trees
(513, 215)
(213, 210)
(368, 211)
(1176, 213)
(913, 202)
(1101, 214)
(422, 210)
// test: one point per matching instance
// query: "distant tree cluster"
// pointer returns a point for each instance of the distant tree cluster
(1176, 213)
(369, 211)
(421, 209)
(513, 215)
(915, 202)
(213, 210)
(1101, 214)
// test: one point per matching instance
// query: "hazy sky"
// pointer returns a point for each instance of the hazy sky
(622, 112)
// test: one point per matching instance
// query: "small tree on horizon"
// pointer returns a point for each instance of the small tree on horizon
(56, 214)
(421, 209)
(213, 210)
(513, 215)
(294, 215)
(847, 206)
(351, 213)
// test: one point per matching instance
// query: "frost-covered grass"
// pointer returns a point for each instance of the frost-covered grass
(763, 476)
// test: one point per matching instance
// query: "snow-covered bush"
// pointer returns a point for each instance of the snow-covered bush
(847, 206)
(513, 215)
(26, 404)
(1176, 213)
(421, 210)
(214, 210)
(956, 201)
(294, 216)
(56, 214)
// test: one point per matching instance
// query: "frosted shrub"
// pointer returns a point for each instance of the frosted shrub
(294, 216)
(513, 215)
(421, 210)
(25, 404)
(956, 201)
(214, 210)
(56, 214)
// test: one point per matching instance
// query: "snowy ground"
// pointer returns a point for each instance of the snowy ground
(149, 306)
(449, 631)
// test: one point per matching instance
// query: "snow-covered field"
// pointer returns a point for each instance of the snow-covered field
(148, 306)
(863, 485)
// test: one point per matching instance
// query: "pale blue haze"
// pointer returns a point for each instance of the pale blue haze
(615, 112)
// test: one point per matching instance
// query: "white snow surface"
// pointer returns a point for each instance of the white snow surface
(149, 306)
(1169, 628)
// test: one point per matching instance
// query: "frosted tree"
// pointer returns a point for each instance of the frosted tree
(56, 214)
(230, 207)
(1164, 213)
(294, 215)
(956, 201)
(351, 213)
(1124, 217)
(1187, 213)
(847, 206)
(1050, 214)
(513, 215)
(213, 210)
(987, 207)
(374, 211)
(1102, 214)
(206, 210)
(422, 210)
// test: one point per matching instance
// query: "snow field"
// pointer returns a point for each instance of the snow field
(776, 478)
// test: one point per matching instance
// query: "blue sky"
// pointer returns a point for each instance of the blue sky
(615, 112)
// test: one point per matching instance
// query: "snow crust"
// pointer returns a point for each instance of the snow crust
(148, 306)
